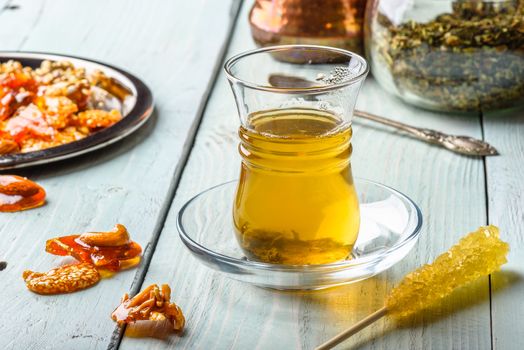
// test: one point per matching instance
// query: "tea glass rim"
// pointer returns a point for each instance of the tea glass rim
(230, 63)
(366, 261)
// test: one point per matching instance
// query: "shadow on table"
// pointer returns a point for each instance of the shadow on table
(323, 313)
(460, 300)
(512, 116)
(149, 329)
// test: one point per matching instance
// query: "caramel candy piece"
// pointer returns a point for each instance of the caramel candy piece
(117, 237)
(96, 119)
(124, 254)
(8, 146)
(18, 193)
(63, 279)
(151, 304)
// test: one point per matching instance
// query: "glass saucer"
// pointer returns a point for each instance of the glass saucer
(390, 226)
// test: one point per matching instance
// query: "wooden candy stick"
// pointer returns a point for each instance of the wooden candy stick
(377, 315)
(478, 254)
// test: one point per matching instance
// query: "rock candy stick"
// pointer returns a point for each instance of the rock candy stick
(478, 254)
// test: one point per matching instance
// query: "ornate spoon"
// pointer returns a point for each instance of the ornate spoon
(456, 143)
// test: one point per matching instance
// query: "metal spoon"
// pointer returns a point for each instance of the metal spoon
(456, 143)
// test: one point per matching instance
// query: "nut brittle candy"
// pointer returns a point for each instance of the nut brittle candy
(153, 304)
(96, 118)
(17, 88)
(18, 193)
(116, 237)
(63, 279)
(98, 253)
(7, 144)
(54, 104)
(112, 250)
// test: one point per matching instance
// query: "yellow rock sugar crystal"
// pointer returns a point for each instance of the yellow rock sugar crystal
(477, 254)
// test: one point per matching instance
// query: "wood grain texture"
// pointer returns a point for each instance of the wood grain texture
(225, 314)
(505, 186)
(167, 44)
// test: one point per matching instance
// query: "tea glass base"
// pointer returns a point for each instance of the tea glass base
(390, 227)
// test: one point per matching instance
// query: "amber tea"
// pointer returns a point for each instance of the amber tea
(296, 202)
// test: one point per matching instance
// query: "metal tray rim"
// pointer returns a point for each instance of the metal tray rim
(140, 112)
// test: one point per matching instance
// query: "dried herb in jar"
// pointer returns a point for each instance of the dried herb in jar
(469, 59)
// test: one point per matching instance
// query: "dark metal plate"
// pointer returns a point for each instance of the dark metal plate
(136, 109)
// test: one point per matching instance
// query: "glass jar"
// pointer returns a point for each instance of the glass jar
(336, 23)
(296, 202)
(462, 55)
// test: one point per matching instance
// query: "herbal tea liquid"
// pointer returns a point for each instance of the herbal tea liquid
(296, 202)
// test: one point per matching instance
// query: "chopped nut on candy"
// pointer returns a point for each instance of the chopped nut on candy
(96, 118)
(112, 250)
(97, 252)
(116, 237)
(8, 146)
(153, 304)
(52, 105)
(18, 193)
(63, 279)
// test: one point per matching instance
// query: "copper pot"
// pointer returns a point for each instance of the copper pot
(336, 23)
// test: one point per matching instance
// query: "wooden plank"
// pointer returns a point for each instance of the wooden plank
(7, 5)
(505, 188)
(167, 44)
(225, 314)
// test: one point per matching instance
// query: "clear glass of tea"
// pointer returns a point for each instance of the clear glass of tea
(296, 202)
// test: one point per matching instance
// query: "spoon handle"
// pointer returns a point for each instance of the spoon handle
(456, 143)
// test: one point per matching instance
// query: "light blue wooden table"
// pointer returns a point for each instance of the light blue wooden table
(177, 47)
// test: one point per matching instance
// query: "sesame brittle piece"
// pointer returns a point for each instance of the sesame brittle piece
(153, 304)
(96, 118)
(63, 279)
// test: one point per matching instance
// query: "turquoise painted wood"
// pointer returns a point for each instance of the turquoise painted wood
(505, 187)
(224, 314)
(142, 182)
(131, 182)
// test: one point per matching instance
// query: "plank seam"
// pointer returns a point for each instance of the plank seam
(486, 194)
(7, 6)
(136, 285)
(33, 25)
